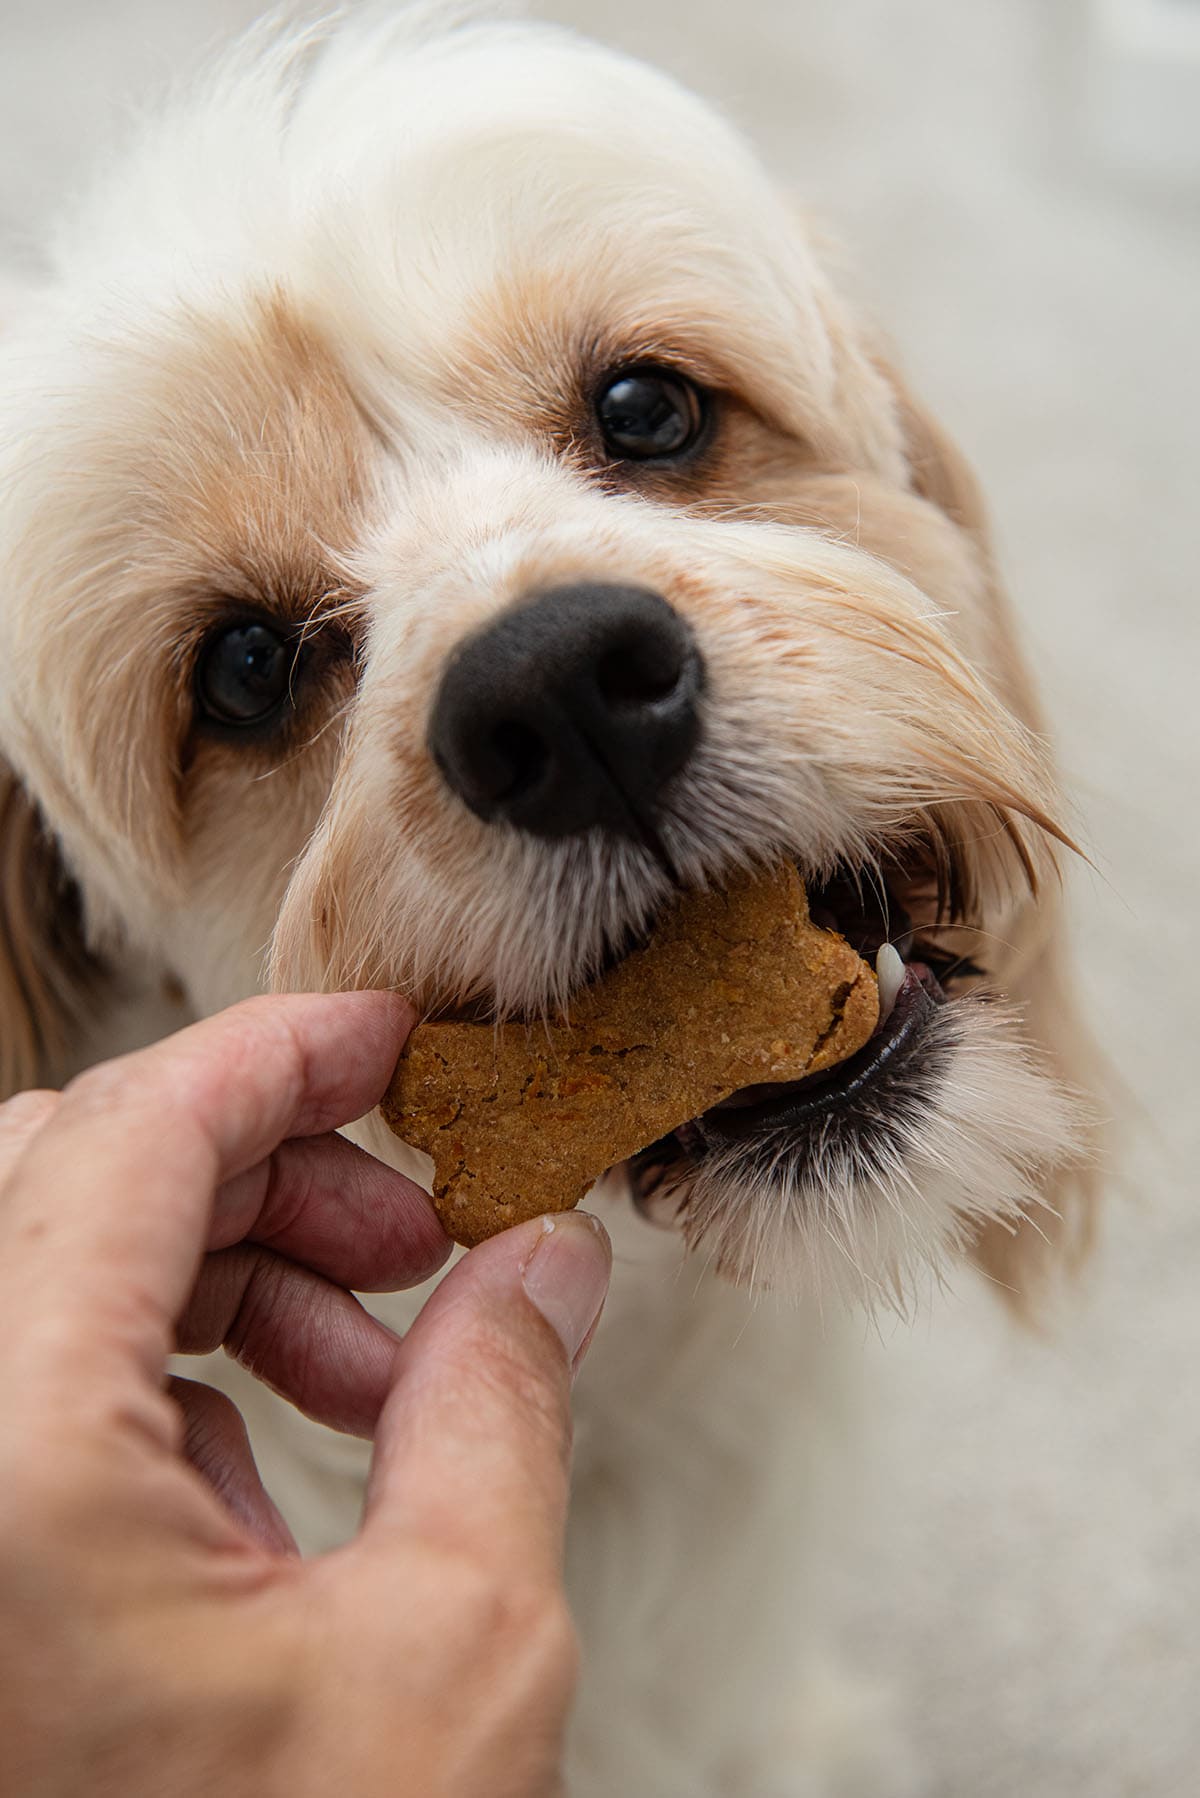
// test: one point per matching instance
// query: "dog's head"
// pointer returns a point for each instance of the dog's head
(444, 509)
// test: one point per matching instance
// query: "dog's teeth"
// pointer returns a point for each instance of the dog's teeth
(889, 971)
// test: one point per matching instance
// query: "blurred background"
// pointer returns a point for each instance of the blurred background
(1013, 188)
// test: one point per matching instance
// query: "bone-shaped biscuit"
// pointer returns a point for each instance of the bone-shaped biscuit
(734, 988)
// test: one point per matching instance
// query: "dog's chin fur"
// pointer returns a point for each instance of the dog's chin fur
(324, 346)
(874, 1213)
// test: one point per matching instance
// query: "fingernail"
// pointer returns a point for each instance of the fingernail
(566, 1276)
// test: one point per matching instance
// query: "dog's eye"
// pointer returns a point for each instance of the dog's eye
(648, 412)
(244, 674)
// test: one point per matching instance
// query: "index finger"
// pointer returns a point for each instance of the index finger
(107, 1211)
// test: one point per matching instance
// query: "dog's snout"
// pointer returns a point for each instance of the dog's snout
(571, 711)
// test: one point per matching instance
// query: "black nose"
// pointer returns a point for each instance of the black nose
(571, 711)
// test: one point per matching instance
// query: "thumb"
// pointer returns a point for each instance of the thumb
(472, 1448)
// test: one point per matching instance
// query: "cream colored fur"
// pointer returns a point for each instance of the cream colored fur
(320, 341)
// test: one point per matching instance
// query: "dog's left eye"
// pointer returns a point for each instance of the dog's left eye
(649, 412)
(244, 674)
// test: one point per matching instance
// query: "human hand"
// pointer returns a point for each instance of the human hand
(156, 1638)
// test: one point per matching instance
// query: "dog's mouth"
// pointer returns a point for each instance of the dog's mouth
(899, 926)
(796, 1104)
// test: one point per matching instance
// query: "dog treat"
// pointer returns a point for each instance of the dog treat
(734, 988)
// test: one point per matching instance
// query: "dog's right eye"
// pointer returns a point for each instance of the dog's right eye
(244, 674)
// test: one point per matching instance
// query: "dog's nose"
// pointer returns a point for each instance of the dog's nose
(570, 711)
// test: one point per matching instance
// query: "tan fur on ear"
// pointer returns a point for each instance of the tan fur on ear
(45, 967)
(1026, 1263)
(1021, 1262)
(942, 475)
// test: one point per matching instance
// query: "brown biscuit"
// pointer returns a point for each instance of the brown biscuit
(734, 988)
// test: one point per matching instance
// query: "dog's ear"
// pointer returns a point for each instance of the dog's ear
(1021, 1262)
(1026, 1263)
(46, 971)
(941, 474)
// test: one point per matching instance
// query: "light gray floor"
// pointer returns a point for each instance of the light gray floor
(1036, 1590)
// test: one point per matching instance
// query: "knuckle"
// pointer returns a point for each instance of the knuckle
(212, 1311)
(27, 1111)
(288, 1193)
(254, 1323)
(207, 1417)
(98, 1086)
(511, 1621)
(257, 1333)
(535, 1638)
(549, 1629)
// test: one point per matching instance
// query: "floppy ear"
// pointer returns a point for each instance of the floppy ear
(942, 475)
(1026, 1262)
(1022, 1262)
(46, 971)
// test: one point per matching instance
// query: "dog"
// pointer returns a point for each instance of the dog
(417, 344)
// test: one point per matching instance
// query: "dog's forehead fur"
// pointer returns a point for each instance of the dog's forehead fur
(412, 194)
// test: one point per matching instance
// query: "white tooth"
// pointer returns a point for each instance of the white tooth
(889, 971)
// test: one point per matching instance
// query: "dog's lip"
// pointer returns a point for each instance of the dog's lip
(795, 1103)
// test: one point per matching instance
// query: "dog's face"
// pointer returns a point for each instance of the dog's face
(446, 509)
